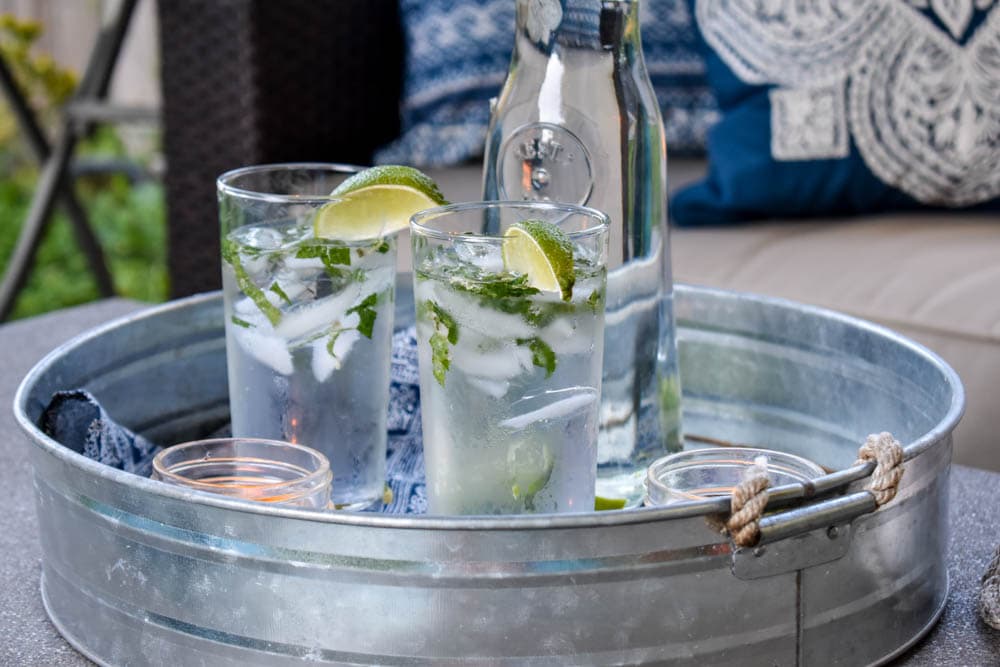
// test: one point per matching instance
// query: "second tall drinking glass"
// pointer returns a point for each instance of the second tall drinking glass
(308, 323)
(510, 322)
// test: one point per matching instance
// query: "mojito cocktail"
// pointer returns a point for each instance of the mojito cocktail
(510, 309)
(308, 281)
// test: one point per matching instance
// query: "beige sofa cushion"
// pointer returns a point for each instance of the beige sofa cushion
(934, 278)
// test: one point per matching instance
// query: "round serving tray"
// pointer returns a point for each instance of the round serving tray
(138, 572)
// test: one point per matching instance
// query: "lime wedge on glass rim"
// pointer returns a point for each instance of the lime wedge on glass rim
(542, 252)
(376, 202)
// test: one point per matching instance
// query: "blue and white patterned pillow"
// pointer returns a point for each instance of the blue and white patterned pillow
(849, 106)
(673, 54)
(457, 55)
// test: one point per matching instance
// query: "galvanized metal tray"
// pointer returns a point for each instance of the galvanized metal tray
(136, 572)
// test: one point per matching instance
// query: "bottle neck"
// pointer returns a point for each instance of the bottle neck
(605, 25)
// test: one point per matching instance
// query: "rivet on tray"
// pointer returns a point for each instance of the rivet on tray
(832, 532)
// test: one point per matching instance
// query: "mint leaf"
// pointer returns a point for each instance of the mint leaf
(383, 247)
(366, 319)
(440, 356)
(231, 255)
(334, 334)
(441, 318)
(240, 323)
(276, 288)
(505, 293)
(337, 256)
(332, 256)
(511, 294)
(500, 286)
(595, 300)
(541, 354)
(445, 333)
(367, 314)
(448, 322)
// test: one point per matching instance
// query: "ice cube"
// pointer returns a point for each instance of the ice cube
(345, 341)
(247, 310)
(504, 363)
(564, 338)
(557, 405)
(324, 363)
(268, 350)
(424, 290)
(469, 314)
(584, 254)
(256, 266)
(309, 265)
(485, 256)
(380, 279)
(259, 237)
(498, 325)
(295, 287)
(312, 318)
(492, 388)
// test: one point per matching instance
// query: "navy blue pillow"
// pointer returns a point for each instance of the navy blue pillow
(457, 55)
(838, 108)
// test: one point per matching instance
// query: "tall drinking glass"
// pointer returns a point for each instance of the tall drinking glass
(308, 323)
(510, 334)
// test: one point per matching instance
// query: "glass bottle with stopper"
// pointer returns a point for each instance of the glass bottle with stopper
(577, 121)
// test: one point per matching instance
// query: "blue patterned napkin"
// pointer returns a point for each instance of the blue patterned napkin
(78, 421)
(404, 468)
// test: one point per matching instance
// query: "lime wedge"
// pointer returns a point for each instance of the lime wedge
(376, 202)
(602, 504)
(542, 252)
(529, 467)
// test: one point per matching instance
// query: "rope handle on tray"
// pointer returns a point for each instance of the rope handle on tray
(887, 454)
(750, 496)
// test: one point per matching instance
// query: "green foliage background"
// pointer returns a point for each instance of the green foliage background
(129, 219)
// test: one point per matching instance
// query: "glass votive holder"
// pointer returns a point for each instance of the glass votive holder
(267, 471)
(699, 474)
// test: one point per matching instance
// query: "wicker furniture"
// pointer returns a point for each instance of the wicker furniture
(256, 81)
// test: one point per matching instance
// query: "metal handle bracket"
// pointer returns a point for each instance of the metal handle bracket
(802, 537)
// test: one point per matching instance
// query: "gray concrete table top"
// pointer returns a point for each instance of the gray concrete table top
(959, 638)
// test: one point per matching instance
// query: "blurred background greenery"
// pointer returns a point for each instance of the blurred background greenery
(124, 204)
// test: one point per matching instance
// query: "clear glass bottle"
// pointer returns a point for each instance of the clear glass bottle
(577, 121)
